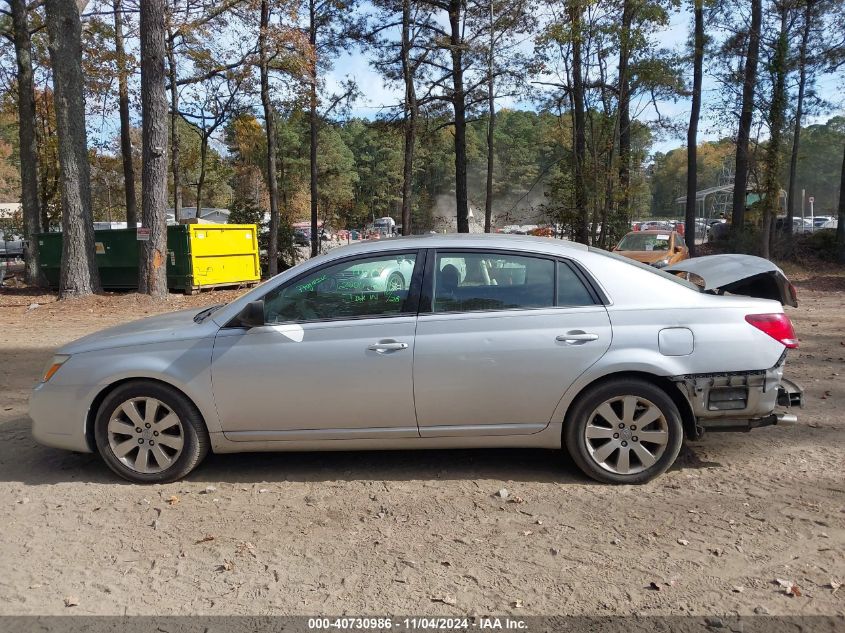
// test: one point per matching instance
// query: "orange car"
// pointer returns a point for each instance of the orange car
(657, 248)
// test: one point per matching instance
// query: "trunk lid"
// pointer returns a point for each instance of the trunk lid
(741, 275)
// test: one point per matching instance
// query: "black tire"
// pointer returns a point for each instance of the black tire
(395, 278)
(194, 435)
(580, 415)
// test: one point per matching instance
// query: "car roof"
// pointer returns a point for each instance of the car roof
(654, 231)
(463, 240)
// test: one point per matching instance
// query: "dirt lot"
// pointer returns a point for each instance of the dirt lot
(421, 532)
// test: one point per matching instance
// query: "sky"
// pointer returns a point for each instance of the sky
(377, 97)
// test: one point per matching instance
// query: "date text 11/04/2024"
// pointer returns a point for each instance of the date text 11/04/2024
(418, 624)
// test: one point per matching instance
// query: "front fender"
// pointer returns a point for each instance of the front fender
(184, 365)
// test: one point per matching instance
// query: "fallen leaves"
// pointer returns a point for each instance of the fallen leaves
(683, 541)
(245, 548)
(227, 565)
(834, 585)
(446, 598)
(205, 539)
(173, 500)
(789, 587)
(71, 601)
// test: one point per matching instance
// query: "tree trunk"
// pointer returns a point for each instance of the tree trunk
(270, 129)
(771, 201)
(459, 105)
(28, 140)
(79, 275)
(201, 179)
(125, 128)
(175, 163)
(581, 225)
(491, 127)
(745, 118)
(692, 131)
(410, 122)
(153, 253)
(625, 113)
(799, 111)
(840, 226)
(312, 125)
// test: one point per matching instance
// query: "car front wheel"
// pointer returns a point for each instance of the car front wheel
(148, 432)
(625, 431)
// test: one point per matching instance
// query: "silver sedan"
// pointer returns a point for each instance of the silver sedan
(490, 341)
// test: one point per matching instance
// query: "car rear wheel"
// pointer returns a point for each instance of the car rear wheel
(625, 431)
(148, 432)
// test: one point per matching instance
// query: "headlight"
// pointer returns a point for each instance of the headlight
(53, 367)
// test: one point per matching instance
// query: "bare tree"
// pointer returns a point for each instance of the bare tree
(625, 35)
(840, 226)
(153, 253)
(692, 131)
(79, 275)
(412, 110)
(270, 129)
(125, 127)
(749, 82)
(576, 13)
(806, 28)
(27, 137)
(777, 111)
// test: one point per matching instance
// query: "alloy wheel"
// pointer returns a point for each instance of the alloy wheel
(626, 435)
(146, 435)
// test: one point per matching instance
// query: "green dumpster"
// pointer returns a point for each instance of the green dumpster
(198, 256)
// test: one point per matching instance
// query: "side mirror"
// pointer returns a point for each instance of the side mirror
(252, 314)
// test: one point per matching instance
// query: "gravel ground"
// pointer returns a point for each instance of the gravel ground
(423, 532)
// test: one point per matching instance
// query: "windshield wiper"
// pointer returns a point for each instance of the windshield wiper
(203, 314)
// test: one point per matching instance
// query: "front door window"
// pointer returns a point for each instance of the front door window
(371, 287)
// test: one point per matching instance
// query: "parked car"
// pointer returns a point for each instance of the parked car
(831, 224)
(11, 245)
(658, 248)
(497, 341)
(799, 225)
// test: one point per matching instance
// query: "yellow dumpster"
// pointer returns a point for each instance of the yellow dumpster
(222, 255)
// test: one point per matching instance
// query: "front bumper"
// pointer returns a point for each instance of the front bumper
(58, 417)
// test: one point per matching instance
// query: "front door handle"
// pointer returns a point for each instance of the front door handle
(577, 337)
(387, 346)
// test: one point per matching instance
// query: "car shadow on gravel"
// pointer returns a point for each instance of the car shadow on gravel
(24, 461)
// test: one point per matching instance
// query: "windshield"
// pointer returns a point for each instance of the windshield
(651, 269)
(644, 242)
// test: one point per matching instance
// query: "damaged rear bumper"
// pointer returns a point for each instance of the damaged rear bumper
(740, 401)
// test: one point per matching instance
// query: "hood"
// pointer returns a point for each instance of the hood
(741, 275)
(646, 257)
(172, 326)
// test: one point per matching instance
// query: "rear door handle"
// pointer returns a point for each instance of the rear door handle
(576, 337)
(387, 346)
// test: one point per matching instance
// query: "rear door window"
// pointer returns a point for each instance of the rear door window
(571, 291)
(474, 281)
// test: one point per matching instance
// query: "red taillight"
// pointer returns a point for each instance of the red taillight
(778, 326)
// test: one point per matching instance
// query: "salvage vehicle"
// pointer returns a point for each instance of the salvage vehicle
(656, 247)
(495, 341)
